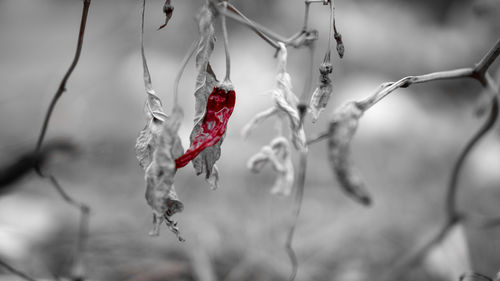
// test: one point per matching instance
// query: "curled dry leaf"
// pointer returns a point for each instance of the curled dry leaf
(340, 44)
(278, 155)
(168, 10)
(160, 171)
(343, 125)
(320, 97)
(285, 104)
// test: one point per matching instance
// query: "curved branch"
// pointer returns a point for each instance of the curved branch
(62, 85)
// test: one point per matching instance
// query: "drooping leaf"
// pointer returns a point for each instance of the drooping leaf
(160, 173)
(278, 155)
(343, 125)
(320, 97)
(168, 10)
(285, 104)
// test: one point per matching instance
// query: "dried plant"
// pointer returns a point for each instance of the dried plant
(160, 153)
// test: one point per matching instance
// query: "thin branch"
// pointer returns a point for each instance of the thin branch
(320, 137)
(306, 92)
(16, 271)
(252, 25)
(299, 195)
(226, 43)
(451, 195)
(488, 59)
(306, 15)
(257, 31)
(404, 264)
(62, 85)
(184, 63)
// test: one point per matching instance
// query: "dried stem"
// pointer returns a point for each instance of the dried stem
(297, 206)
(62, 85)
(226, 43)
(16, 271)
(184, 63)
(84, 209)
(306, 15)
(266, 38)
(320, 137)
(306, 92)
(415, 256)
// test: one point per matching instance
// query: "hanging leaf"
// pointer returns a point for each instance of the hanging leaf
(278, 155)
(320, 97)
(285, 104)
(160, 191)
(342, 128)
(168, 10)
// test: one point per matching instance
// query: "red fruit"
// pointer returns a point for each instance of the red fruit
(220, 106)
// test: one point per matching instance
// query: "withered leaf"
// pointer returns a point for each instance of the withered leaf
(343, 125)
(320, 97)
(278, 155)
(168, 10)
(285, 104)
(205, 83)
(160, 173)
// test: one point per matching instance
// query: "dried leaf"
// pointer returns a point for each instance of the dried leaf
(168, 10)
(205, 84)
(278, 155)
(451, 258)
(160, 173)
(285, 104)
(320, 97)
(340, 44)
(342, 128)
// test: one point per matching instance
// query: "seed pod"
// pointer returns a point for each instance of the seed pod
(343, 125)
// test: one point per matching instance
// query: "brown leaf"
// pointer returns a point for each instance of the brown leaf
(343, 125)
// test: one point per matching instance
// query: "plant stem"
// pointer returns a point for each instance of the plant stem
(184, 63)
(226, 42)
(62, 85)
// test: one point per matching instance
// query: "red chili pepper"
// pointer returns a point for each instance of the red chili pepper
(220, 106)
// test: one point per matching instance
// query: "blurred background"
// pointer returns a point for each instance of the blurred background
(405, 146)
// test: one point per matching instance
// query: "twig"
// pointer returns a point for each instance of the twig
(306, 92)
(184, 63)
(266, 38)
(320, 137)
(415, 256)
(479, 72)
(62, 85)
(252, 25)
(84, 209)
(16, 271)
(226, 43)
(297, 206)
